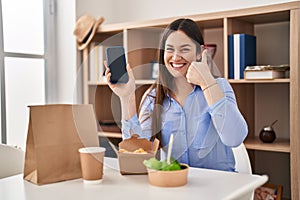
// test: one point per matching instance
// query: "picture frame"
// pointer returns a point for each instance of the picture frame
(268, 191)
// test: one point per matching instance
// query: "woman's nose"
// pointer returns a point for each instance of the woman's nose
(176, 57)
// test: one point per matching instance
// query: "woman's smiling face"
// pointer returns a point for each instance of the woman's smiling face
(180, 52)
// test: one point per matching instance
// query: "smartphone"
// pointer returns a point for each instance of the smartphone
(115, 57)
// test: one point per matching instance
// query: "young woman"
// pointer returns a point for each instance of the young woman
(187, 101)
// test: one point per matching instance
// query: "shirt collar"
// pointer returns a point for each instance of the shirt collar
(196, 88)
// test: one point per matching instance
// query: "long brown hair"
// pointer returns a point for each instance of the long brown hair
(165, 80)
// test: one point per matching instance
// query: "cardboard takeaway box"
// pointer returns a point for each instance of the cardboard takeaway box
(132, 163)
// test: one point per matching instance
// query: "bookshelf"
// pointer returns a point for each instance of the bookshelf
(277, 28)
(281, 145)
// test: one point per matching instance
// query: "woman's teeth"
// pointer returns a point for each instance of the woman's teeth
(177, 65)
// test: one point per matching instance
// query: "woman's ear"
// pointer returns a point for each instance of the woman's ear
(199, 54)
(198, 58)
(202, 48)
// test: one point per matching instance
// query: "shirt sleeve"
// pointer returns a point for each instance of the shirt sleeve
(226, 117)
(131, 125)
(142, 125)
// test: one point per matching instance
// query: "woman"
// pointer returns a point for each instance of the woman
(186, 101)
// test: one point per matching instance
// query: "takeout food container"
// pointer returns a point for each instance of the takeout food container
(132, 163)
(173, 178)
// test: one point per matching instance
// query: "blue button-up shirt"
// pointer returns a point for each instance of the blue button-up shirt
(203, 135)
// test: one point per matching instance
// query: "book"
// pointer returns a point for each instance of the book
(97, 68)
(100, 66)
(265, 72)
(92, 71)
(241, 53)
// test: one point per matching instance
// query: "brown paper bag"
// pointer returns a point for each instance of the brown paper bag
(55, 133)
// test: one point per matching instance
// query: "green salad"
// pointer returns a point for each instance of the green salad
(155, 164)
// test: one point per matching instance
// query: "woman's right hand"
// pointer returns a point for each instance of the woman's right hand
(123, 90)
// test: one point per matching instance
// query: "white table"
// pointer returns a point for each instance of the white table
(202, 184)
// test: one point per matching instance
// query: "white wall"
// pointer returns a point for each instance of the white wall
(97, 8)
(65, 51)
(131, 10)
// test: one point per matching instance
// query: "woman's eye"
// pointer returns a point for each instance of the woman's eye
(184, 50)
(169, 49)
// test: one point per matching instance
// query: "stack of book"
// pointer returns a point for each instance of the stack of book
(266, 72)
(241, 53)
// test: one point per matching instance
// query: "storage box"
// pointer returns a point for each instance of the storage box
(132, 163)
(266, 71)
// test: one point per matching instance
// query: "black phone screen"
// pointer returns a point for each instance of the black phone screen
(116, 61)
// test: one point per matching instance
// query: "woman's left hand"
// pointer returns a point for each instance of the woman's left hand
(199, 73)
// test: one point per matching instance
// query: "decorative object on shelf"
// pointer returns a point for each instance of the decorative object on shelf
(268, 191)
(211, 52)
(266, 71)
(241, 53)
(267, 134)
(85, 29)
(211, 49)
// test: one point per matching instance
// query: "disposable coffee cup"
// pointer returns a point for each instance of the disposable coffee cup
(91, 159)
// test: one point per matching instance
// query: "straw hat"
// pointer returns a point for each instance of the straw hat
(85, 29)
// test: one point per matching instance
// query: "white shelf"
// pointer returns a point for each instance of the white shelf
(138, 82)
(282, 80)
(110, 134)
(279, 145)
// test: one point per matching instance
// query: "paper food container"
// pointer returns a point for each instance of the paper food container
(174, 178)
(132, 163)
